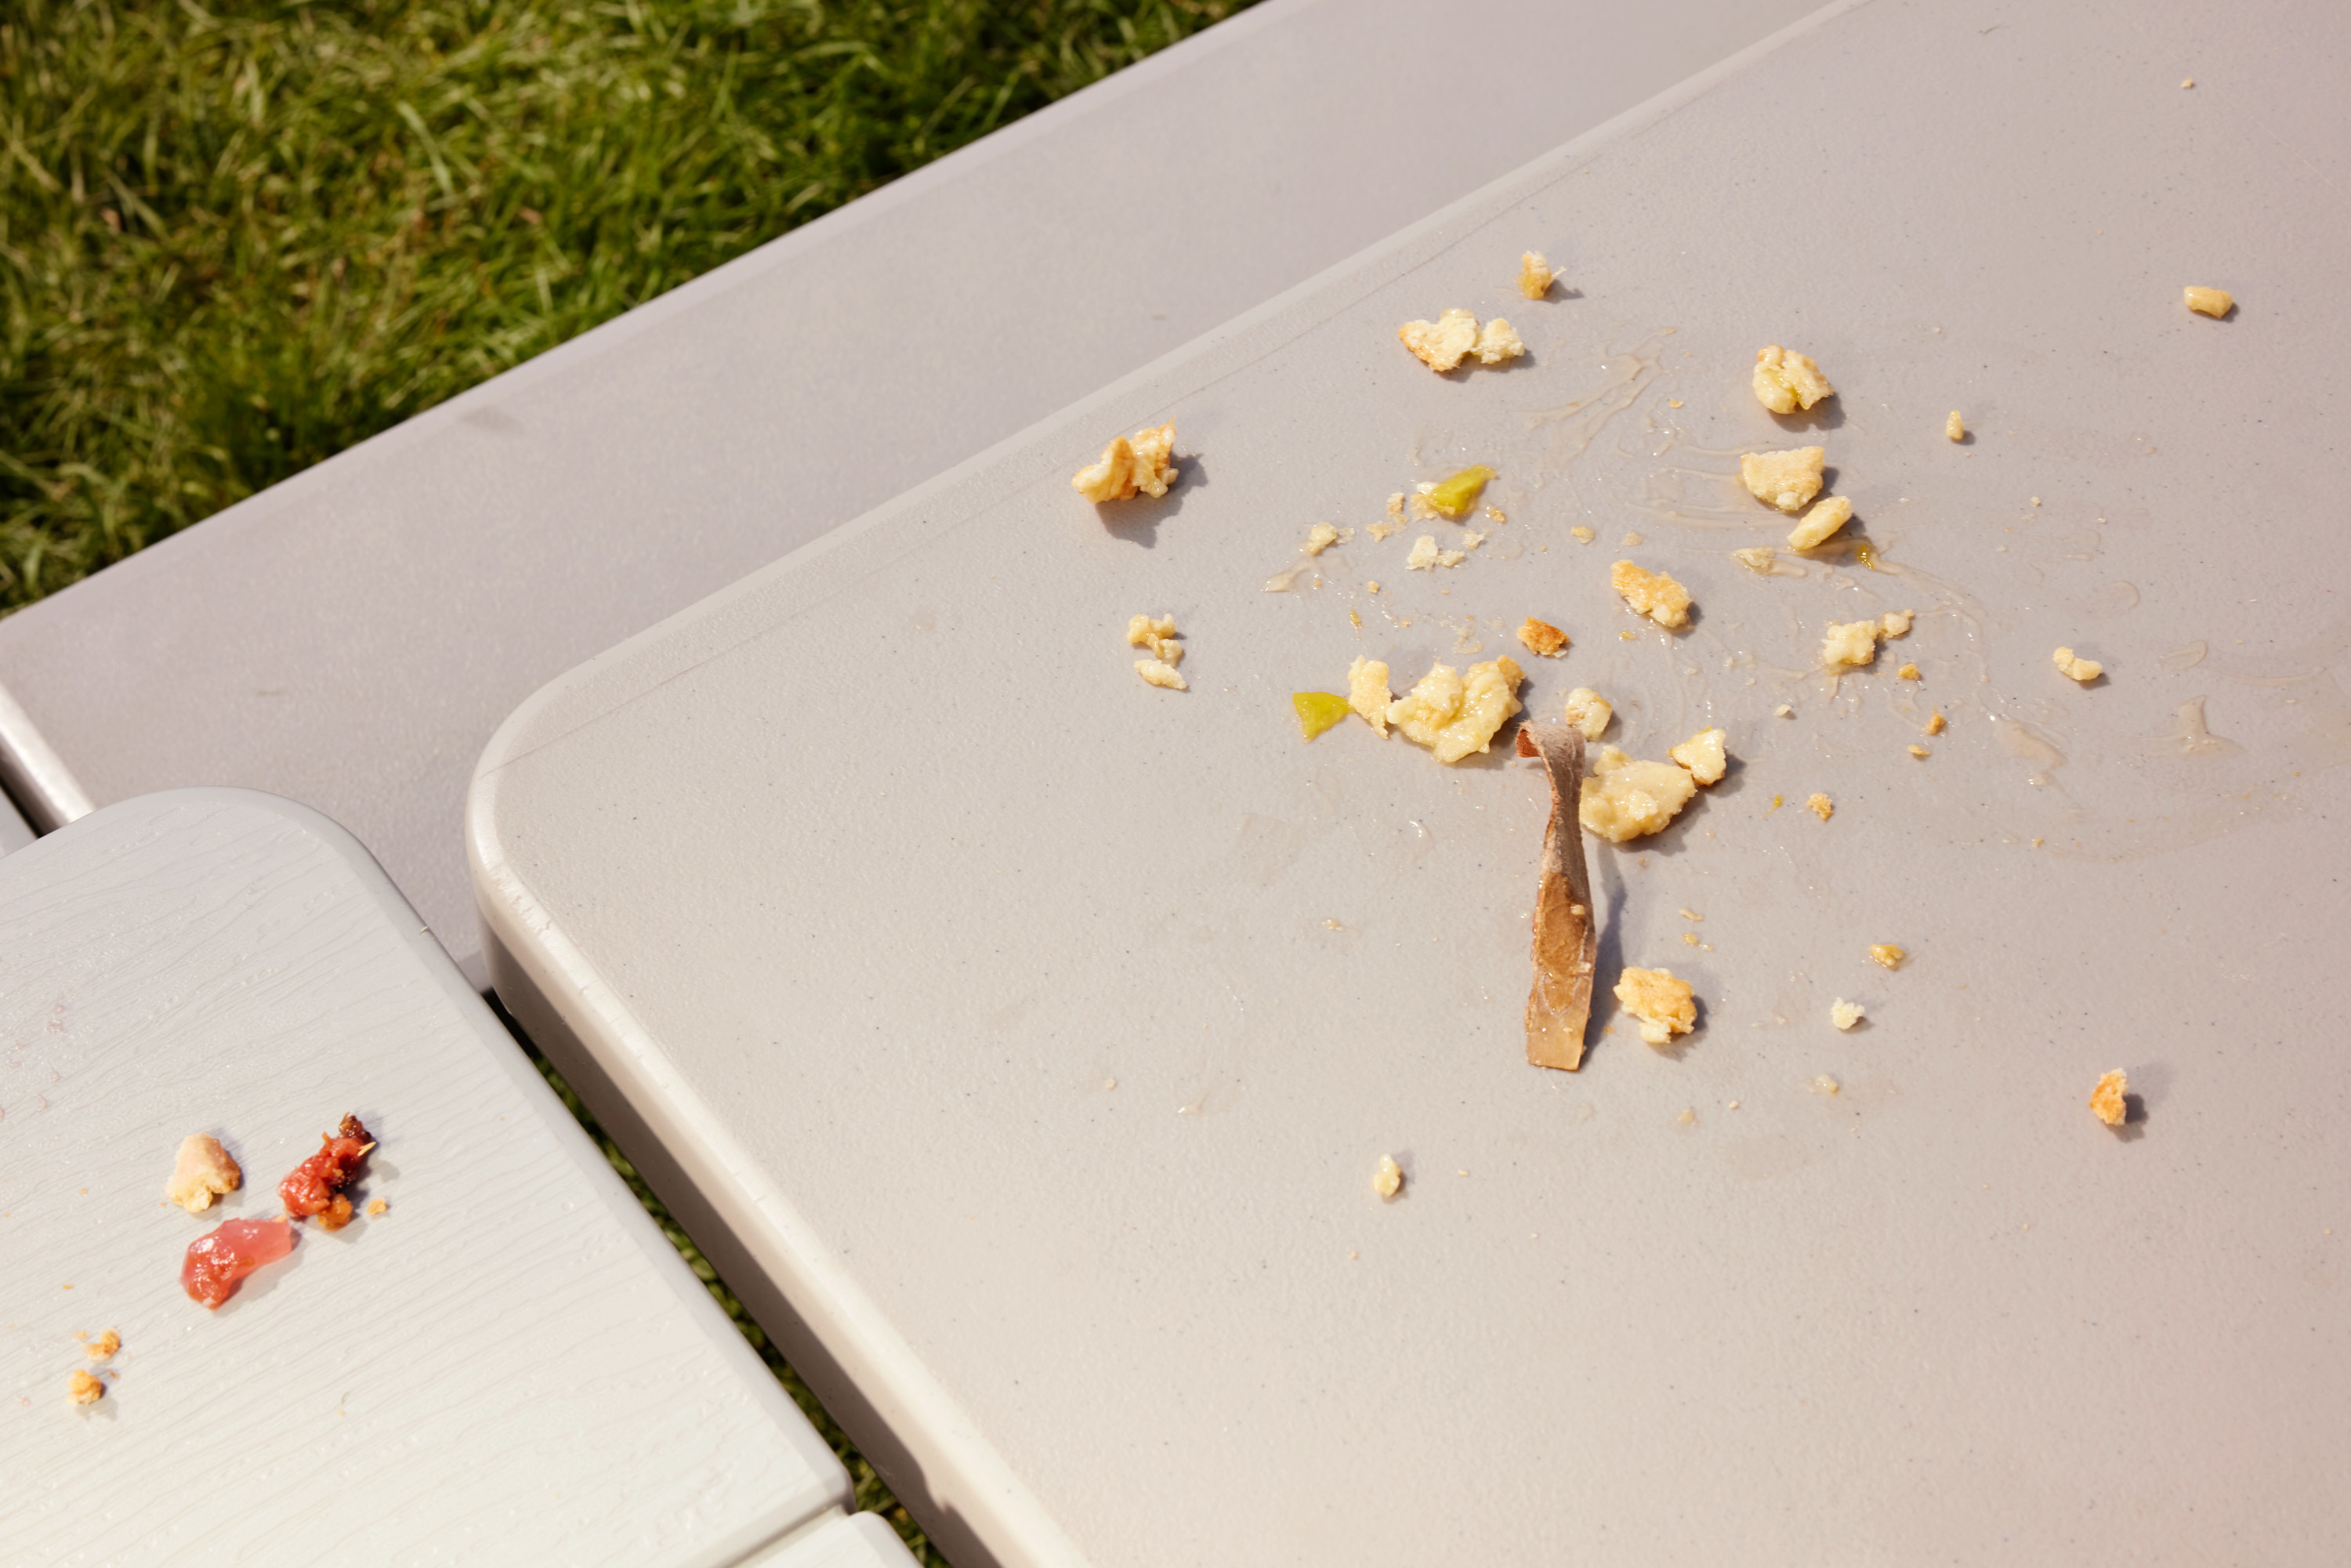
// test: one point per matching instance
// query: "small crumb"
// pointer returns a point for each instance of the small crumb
(2108, 1100)
(1443, 344)
(1471, 540)
(1786, 382)
(1352, 1256)
(1653, 594)
(1787, 480)
(103, 1347)
(2187, 81)
(1908, 672)
(1498, 341)
(1129, 465)
(1582, 535)
(1356, 617)
(1955, 428)
(2078, 669)
(1333, 925)
(1626, 636)
(1776, 801)
(2036, 843)
(1589, 712)
(1461, 1173)
(1689, 1118)
(1496, 515)
(1367, 692)
(1703, 755)
(201, 1172)
(1371, 588)
(1672, 403)
(1937, 723)
(377, 1208)
(1819, 806)
(1632, 541)
(1691, 915)
(1535, 275)
(2210, 301)
(1158, 635)
(1320, 537)
(1732, 1106)
(1662, 1003)
(1896, 623)
(1821, 523)
(1853, 642)
(1886, 956)
(1824, 1084)
(1387, 1180)
(1541, 637)
(1846, 1014)
(1784, 711)
(83, 1389)
(1424, 554)
(2036, 500)
(1920, 751)
(1159, 672)
(1757, 557)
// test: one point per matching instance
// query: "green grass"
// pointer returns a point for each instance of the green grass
(235, 239)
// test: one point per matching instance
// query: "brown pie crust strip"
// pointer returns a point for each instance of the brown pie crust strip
(1565, 946)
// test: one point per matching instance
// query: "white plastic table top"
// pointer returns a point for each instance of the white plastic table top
(510, 1365)
(1037, 1032)
(351, 638)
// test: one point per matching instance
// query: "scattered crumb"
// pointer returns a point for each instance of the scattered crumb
(1356, 618)
(2106, 1099)
(1776, 801)
(1442, 343)
(1653, 594)
(1454, 716)
(1821, 523)
(1920, 751)
(1788, 480)
(1853, 642)
(1784, 711)
(1846, 1014)
(103, 1347)
(1818, 805)
(1824, 1084)
(2036, 843)
(1937, 723)
(1703, 755)
(1909, 673)
(1498, 341)
(1886, 956)
(1387, 1180)
(1582, 535)
(1535, 275)
(1672, 403)
(2073, 668)
(1689, 939)
(201, 1172)
(1689, 1118)
(1543, 638)
(1140, 462)
(1159, 636)
(1661, 1002)
(1955, 428)
(376, 1206)
(1785, 382)
(1424, 554)
(2210, 301)
(1691, 915)
(1372, 587)
(1626, 799)
(1320, 537)
(1757, 557)
(1632, 540)
(2036, 500)
(1495, 514)
(84, 1389)
(1471, 539)
(1159, 672)
(1589, 712)
(1896, 623)
(2187, 81)
(1367, 692)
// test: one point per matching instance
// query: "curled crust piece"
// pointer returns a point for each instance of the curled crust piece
(1663, 1003)
(1783, 479)
(203, 1171)
(1785, 382)
(1651, 593)
(1129, 463)
(1565, 946)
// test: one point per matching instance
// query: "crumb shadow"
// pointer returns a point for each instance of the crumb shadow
(1136, 519)
(1826, 414)
(1608, 956)
(2134, 1125)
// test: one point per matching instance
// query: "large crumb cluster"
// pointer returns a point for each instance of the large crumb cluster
(1158, 634)
(1140, 462)
(1786, 382)
(1651, 593)
(1455, 335)
(1663, 1004)
(1788, 480)
(1454, 714)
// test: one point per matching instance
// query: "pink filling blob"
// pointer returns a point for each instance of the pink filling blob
(221, 1257)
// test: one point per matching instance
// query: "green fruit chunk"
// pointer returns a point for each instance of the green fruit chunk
(1453, 497)
(1318, 711)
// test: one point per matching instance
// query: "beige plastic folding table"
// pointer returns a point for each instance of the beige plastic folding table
(508, 1364)
(1023, 1038)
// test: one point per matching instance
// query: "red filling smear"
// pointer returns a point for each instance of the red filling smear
(221, 1257)
(316, 1185)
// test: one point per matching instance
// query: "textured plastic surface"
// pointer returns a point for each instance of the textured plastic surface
(353, 637)
(858, 1541)
(869, 878)
(510, 1365)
